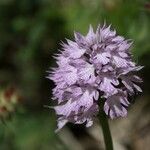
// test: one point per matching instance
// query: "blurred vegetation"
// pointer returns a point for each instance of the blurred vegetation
(30, 33)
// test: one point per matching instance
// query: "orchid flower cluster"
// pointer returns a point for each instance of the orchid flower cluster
(91, 69)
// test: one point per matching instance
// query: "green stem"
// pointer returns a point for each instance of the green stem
(105, 128)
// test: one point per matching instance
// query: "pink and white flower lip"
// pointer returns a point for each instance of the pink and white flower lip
(100, 62)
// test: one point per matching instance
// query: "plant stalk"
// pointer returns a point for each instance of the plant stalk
(105, 128)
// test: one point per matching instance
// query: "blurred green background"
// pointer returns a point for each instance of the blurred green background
(30, 33)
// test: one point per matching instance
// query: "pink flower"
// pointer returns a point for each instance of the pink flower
(96, 63)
